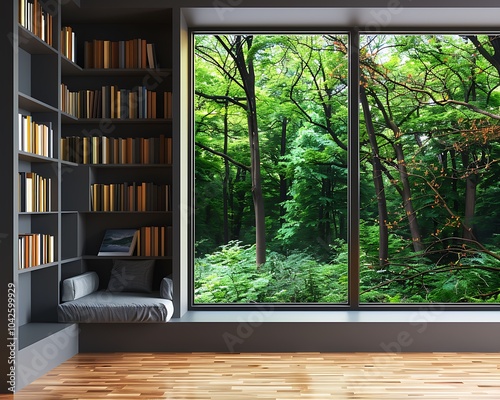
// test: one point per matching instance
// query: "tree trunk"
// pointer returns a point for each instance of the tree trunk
(470, 199)
(493, 59)
(258, 198)
(225, 181)
(403, 176)
(283, 185)
(237, 201)
(383, 250)
(407, 201)
(324, 216)
(247, 74)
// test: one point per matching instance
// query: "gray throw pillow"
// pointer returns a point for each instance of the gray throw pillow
(167, 289)
(78, 286)
(131, 276)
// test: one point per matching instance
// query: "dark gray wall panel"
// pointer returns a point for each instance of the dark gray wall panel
(291, 336)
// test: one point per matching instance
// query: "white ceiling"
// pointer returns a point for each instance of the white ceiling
(371, 19)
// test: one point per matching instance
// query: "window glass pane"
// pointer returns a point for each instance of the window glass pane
(430, 177)
(270, 168)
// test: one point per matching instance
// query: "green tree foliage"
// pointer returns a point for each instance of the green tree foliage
(429, 143)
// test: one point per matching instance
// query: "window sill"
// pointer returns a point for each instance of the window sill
(411, 316)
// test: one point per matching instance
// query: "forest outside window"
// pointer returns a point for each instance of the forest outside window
(271, 168)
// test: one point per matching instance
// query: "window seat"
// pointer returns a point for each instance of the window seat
(105, 306)
(129, 298)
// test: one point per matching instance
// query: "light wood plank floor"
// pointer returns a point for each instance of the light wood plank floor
(281, 376)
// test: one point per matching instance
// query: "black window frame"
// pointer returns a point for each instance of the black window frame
(353, 303)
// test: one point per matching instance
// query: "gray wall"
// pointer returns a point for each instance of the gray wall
(8, 160)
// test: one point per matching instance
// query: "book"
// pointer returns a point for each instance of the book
(151, 57)
(118, 242)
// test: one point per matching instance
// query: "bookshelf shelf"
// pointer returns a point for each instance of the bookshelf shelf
(32, 43)
(69, 212)
(44, 213)
(70, 260)
(69, 68)
(68, 163)
(116, 121)
(37, 268)
(125, 212)
(91, 257)
(75, 70)
(31, 157)
(31, 104)
(68, 118)
(126, 166)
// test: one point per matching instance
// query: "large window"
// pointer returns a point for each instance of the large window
(272, 161)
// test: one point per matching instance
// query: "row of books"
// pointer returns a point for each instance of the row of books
(145, 196)
(112, 102)
(111, 150)
(146, 241)
(33, 17)
(154, 241)
(68, 43)
(35, 249)
(133, 53)
(35, 192)
(36, 138)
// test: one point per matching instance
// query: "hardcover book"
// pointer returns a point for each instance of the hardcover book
(118, 242)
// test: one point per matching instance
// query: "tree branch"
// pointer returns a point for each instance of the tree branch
(224, 156)
(223, 99)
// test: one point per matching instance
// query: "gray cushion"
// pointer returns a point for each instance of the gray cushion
(104, 306)
(132, 276)
(167, 289)
(79, 286)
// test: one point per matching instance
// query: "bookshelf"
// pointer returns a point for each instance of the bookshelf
(37, 205)
(116, 133)
(49, 229)
(33, 219)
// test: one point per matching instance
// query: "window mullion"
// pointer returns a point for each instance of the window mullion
(353, 169)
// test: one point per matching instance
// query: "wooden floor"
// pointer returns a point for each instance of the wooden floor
(271, 376)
